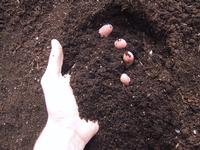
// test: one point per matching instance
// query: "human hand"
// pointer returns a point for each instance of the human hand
(64, 129)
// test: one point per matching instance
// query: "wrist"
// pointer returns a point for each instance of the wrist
(59, 136)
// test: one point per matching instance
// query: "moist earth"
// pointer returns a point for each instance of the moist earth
(160, 109)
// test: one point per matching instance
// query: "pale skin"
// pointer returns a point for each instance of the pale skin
(64, 130)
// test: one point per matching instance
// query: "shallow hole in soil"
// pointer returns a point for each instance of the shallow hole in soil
(138, 116)
(135, 20)
(133, 27)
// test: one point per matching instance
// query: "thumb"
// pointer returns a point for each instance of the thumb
(55, 58)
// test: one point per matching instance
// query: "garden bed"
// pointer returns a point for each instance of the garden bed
(160, 109)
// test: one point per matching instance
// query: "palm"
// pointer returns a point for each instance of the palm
(60, 100)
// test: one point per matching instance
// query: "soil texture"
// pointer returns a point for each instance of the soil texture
(160, 109)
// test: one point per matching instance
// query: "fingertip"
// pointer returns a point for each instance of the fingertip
(95, 125)
(55, 44)
(55, 58)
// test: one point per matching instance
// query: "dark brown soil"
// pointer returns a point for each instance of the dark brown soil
(160, 109)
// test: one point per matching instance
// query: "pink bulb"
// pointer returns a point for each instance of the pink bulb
(125, 79)
(128, 57)
(105, 30)
(120, 43)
